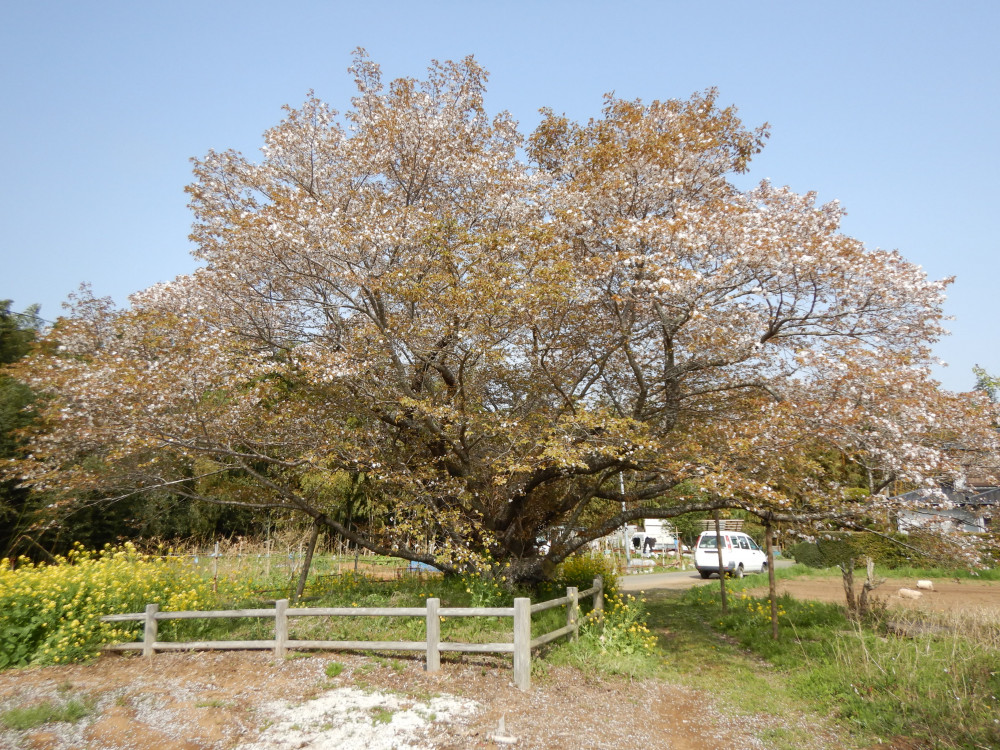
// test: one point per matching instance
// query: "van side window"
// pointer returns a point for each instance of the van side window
(743, 543)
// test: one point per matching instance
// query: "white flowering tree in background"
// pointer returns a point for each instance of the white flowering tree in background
(501, 333)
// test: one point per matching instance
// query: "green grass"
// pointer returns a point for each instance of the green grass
(696, 652)
(617, 642)
(937, 685)
(214, 703)
(804, 571)
(45, 713)
(351, 591)
(991, 574)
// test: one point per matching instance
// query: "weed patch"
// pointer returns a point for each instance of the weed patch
(616, 641)
(45, 713)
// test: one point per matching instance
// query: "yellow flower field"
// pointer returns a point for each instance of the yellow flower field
(50, 613)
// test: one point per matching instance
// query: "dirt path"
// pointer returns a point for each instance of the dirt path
(252, 701)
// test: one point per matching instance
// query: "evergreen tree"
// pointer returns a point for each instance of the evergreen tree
(17, 333)
(986, 383)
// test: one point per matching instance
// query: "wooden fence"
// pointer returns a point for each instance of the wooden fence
(521, 645)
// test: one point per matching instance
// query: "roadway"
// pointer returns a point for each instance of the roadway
(681, 579)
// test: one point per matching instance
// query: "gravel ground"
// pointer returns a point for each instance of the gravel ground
(252, 701)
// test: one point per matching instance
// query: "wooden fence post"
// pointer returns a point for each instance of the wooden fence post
(433, 636)
(573, 611)
(215, 568)
(599, 594)
(522, 643)
(280, 626)
(150, 631)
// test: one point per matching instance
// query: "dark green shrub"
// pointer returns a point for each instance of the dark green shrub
(806, 553)
(888, 551)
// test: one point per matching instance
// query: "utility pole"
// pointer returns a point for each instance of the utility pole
(628, 542)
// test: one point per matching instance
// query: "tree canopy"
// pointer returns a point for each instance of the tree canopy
(505, 336)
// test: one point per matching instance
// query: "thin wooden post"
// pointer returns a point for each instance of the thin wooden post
(150, 631)
(280, 627)
(433, 636)
(522, 643)
(215, 568)
(772, 589)
(722, 573)
(304, 573)
(573, 611)
(599, 594)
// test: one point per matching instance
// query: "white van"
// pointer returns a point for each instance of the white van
(740, 554)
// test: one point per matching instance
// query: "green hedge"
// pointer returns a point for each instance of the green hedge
(890, 551)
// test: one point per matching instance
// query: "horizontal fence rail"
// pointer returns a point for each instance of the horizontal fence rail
(521, 645)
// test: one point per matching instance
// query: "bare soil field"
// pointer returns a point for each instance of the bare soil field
(948, 595)
(251, 700)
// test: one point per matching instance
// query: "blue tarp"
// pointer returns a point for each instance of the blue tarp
(419, 567)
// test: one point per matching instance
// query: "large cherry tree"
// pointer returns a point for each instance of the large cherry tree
(503, 336)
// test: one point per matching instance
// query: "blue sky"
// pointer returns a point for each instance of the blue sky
(890, 107)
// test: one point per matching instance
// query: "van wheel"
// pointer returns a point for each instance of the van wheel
(705, 573)
(763, 567)
(739, 571)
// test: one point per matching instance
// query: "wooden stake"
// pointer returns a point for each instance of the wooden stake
(772, 587)
(573, 612)
(722, 573)
(307, 563)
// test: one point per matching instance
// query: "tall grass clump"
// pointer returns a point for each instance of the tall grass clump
(50, 613)
(935, 678)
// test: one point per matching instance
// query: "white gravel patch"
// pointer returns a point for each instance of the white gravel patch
(352, 719)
